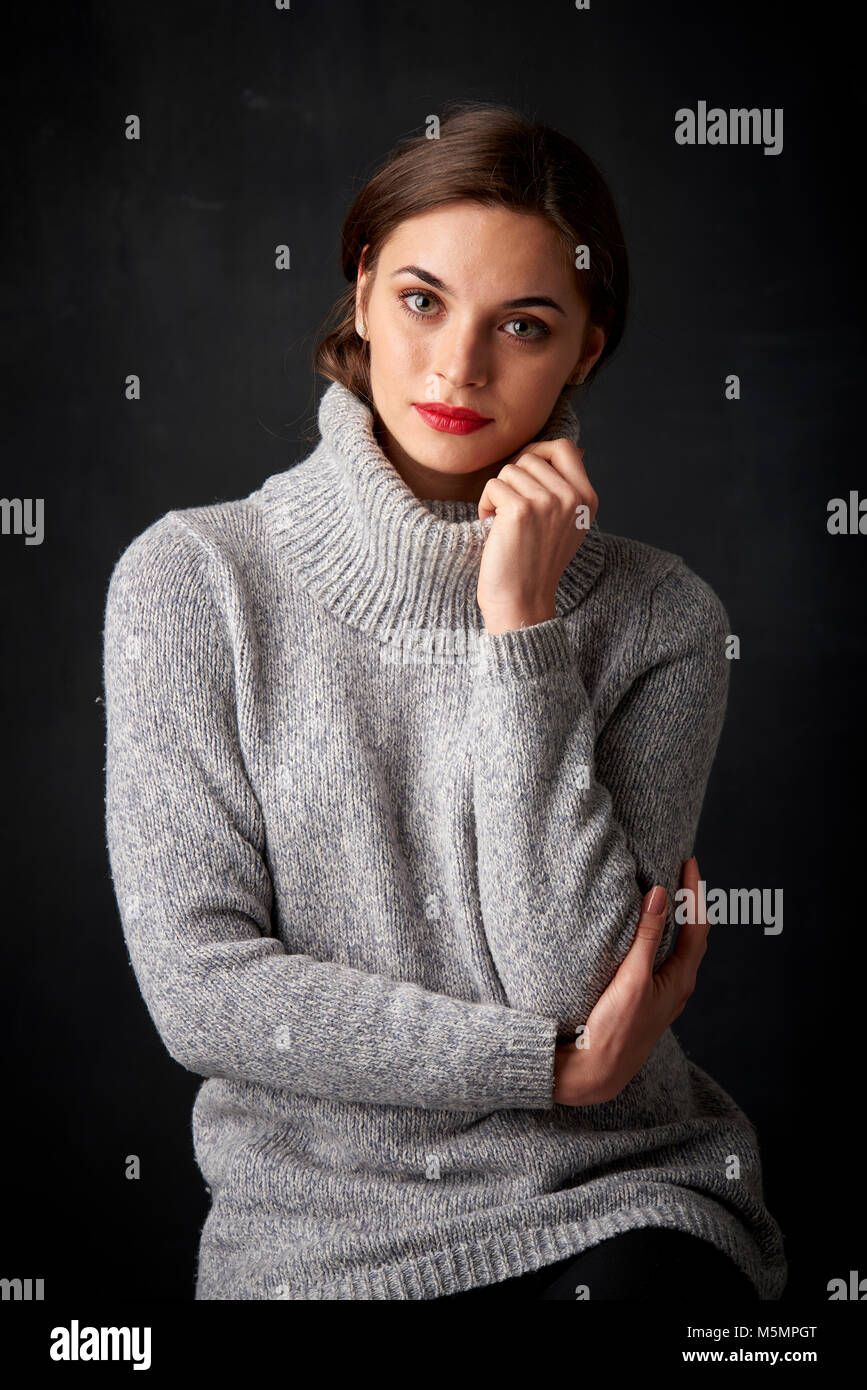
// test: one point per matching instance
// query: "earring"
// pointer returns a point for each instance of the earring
(360, 329)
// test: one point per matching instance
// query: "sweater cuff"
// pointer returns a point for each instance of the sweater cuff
(525, 651)
(528, 1072)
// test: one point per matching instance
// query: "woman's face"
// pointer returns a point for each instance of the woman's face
(473, 307)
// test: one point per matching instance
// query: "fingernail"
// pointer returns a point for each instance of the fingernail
(657, 901)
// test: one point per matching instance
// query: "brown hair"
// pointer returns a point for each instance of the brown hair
(495, 156)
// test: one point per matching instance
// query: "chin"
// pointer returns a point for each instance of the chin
(460, 454)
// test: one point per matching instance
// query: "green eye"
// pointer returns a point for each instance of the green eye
(536, 329)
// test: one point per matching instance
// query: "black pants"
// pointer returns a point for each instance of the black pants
(653, 1263)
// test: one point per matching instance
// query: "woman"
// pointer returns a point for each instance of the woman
(397, 747)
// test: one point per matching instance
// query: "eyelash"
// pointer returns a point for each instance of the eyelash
(414, 313)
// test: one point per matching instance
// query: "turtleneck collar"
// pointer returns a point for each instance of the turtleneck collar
(382, 560)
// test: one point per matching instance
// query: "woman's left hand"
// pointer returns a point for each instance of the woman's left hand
(537, 531)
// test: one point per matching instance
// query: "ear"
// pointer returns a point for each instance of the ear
(594, 342)
(361, 285)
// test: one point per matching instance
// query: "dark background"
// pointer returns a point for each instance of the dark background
(157, 257)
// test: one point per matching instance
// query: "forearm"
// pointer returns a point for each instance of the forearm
(244, 1008)
(558, 887)
(562, 866)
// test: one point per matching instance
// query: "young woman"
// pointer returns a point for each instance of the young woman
(397, 747)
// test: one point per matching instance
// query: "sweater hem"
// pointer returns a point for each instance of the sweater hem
(492, 1258)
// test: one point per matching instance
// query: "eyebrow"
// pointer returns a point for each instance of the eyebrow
(530, 301)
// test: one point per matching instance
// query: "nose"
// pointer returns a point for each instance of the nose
(461, 356)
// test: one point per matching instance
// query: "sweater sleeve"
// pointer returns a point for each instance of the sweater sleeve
(186, 843)
(562, 868)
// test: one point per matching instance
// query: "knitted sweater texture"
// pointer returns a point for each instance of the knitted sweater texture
(372, 863)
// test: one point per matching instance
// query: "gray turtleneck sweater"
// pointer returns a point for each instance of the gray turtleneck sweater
(372, 862)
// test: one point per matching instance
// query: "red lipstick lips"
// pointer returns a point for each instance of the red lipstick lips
(450, 419)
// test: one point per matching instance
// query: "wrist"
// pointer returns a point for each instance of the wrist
(512, 619)
(575, 1080)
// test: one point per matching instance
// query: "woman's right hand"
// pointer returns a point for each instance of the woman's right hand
(636, 1008)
